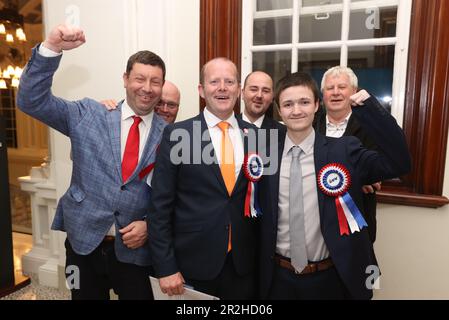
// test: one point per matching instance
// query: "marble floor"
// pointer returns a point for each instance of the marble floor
(22, 244)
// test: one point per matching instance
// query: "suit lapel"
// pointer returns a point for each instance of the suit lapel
(352, 127)
(114, 119)
(267, 123)
(243, 126)
(274, 179)
(320, 158)
(204, 144)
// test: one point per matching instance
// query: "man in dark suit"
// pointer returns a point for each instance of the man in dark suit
(197, 230)
(336, 120)
(257, 95)
(314, 241)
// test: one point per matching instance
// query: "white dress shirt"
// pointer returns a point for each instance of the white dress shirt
(234, 134)
(257, 123)
(315, 245)
(336, 130)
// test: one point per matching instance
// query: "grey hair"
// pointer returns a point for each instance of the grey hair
(339, 70)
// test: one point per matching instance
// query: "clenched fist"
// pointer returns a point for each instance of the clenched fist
(358, 98)
(64, 37)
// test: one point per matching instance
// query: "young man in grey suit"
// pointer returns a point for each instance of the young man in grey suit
(314, 242)
(104, 209)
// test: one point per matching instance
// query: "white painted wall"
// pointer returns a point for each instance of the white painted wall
(178, 23)
(412, 248)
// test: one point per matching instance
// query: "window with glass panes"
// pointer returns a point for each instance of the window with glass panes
(371, 37)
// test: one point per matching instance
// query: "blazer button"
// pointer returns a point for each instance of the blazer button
(123, 188)
(116, 213)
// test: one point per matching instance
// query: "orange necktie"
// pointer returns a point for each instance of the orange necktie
(227, 166)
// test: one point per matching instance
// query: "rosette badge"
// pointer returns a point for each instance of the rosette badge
(253, 169)
(334, 180)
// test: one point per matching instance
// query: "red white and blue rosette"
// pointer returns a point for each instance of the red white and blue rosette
(334, 180)
(253, 169)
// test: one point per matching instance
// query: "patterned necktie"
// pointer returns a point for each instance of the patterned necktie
(227, 166)
(298, 252)
(131, 155)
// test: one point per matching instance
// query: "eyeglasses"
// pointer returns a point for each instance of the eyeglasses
(170, 105)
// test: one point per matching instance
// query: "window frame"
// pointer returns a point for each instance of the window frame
(426, 95)
(344, 44)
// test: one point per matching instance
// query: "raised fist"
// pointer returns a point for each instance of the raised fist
(358, 98)
(64, 37)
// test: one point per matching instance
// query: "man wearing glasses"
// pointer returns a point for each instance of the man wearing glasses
(168, 106)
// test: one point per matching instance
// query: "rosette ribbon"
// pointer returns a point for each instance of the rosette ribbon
(253, 169)
(334, 180)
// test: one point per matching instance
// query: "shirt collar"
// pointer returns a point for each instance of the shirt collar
(306, 145)
(343, 123)
(257, 123)
(127, 113)
(212, 120)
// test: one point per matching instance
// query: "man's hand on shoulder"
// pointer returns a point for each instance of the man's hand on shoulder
(64, 37)
(109, 104)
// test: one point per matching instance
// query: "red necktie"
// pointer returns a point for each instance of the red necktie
(131, 155)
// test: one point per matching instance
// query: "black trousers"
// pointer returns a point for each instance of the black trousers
(228, 285)
(321, 285)
(100, 271)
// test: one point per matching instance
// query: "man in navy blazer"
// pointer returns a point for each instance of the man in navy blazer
(103, 211)
(336, 247)
(197, 230)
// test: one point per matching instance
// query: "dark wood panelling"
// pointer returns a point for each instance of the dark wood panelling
(220, 33)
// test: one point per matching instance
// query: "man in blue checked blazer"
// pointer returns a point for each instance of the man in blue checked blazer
(113, 152)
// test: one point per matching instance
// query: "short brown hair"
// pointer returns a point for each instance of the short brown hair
(148, 58)
(294, 80)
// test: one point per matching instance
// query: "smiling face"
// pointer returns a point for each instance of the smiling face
(143, 87)
(220, 87)
(297, 107)
(336, 93)
(257, 94)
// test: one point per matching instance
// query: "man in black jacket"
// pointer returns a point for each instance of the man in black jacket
(336, 120)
